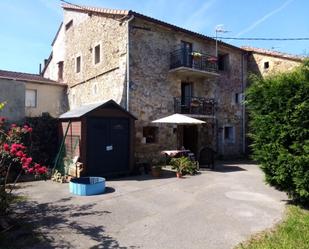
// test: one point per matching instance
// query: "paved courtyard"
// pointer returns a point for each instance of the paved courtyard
(213, 210)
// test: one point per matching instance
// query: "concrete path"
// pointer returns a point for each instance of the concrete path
(213, 210)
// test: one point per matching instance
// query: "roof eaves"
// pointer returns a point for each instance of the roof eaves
(177, 28)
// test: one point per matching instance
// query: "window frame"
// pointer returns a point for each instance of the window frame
(94, 53)
(76, 64)
(35, 98)
(231, 138)
(155, 134)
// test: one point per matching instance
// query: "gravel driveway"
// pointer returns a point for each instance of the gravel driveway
(216, 209)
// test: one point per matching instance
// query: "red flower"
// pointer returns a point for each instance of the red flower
(42, 170)
(30, 129)
(13, 151)
(6, 147)
(19, 154)
(30, 170)
(26, 127)
(25, 166)
(13, 125)
(29, 159)
(24, 159)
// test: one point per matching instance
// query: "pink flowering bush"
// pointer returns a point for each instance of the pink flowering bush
(14, 159)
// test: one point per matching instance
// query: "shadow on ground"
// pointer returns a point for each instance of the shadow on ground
(51, 221)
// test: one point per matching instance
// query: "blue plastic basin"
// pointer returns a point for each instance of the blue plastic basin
(87, 186)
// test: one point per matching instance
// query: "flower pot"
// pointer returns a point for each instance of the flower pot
(179, 175)
(156, 171)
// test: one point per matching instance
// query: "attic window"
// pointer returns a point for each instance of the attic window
(69, 25)
(266, 65)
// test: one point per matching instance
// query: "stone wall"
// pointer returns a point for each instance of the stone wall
(276, 64)
(95, 82)
(153, 88)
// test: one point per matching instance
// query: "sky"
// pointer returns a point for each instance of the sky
(29, 26)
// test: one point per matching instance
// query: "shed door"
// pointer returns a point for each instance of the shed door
(107, 146)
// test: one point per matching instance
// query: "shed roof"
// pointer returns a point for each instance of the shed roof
(84, 109)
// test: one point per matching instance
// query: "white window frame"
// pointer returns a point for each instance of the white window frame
(232, 139)
(93, 49)
(35, 98)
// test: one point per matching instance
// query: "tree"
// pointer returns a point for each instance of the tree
(279, 128)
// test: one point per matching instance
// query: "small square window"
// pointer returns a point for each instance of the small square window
(31, 98)
(266, 65)
(150, 133)
(229, 134)
(78, 64)
(97, 54)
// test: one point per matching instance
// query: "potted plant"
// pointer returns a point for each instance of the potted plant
(183, 166)
(156, 166)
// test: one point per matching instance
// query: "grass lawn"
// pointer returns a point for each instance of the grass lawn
(292, 233)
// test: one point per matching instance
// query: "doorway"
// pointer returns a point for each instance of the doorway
(186, 95)
(186, 48)
(190, 138)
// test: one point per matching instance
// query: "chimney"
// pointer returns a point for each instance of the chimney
(45, 62)
(40, 69)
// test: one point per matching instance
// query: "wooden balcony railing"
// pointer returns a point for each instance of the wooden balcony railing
(194, 105)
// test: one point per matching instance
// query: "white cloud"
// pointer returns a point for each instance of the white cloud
(264, 18)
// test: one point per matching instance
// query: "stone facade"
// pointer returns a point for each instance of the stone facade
(265, 62)
(154, 86)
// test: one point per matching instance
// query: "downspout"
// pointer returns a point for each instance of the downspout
(243, 84)
(128, 63)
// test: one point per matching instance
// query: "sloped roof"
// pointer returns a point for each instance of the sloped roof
(26, 77)
(273, 53)
(84, 109)
(124, 13)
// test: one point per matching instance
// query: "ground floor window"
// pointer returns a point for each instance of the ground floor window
(229, 134)
(31, 98)
(150, 134)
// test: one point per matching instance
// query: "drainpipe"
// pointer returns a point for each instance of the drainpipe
(128, 63)
(243, 84)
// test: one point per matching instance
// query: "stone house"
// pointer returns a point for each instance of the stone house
(264, 62)
(153, 69)
(29, 95)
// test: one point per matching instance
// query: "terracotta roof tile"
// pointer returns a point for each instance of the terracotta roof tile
(151, 19)
(95, 9)
(26, 77)
(273, 53)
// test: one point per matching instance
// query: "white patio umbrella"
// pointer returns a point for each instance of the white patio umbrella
(178, 119)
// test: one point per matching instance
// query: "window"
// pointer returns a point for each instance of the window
(97, 54)
(31, 98)
(223, 60)
(68, 25)
(266, 65)
(238, 98)
(60, 70)
(229, 134)
(78, 64)
(150, 134)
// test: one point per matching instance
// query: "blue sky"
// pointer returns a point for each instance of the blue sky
(29, 26)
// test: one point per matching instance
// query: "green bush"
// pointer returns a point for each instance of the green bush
(44, 139)
(184, 165)
(279, 128)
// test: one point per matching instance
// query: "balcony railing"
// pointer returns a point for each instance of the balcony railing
(194, 105)
(194, 60)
